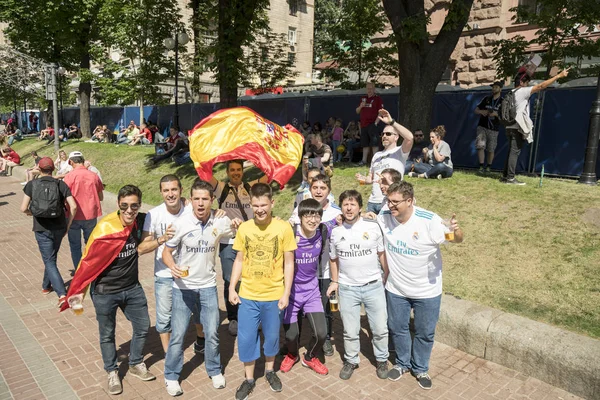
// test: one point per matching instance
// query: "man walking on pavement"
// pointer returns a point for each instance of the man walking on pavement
(44, 199)
(87, 190)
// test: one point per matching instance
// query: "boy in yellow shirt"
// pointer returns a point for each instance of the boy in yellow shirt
(265, 262)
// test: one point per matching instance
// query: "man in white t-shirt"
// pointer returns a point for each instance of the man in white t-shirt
(412, 238)
(518, 132)
(392, 156)
(158, 228)
(304, 193)
(195, 242)
(233, 197)
(320, 190)
(356, 251)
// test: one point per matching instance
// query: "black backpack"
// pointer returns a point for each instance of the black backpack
(46, 200)
(508, 109)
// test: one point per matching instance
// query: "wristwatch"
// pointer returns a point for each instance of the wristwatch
(392, 122)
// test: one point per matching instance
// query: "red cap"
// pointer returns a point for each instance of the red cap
(46, 164)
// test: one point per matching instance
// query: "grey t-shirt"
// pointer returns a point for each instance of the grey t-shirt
(443, 149)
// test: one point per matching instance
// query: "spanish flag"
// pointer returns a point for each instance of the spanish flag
(106, 241)
(240, 133)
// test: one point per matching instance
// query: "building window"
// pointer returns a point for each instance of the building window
(292, 36)
(291, 58)
(293, 7)
(532, 5)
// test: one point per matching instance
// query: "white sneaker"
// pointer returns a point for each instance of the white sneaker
(23, 183)
(173, 388)
(218, 381)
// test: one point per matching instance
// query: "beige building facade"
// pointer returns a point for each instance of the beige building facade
(471, 63)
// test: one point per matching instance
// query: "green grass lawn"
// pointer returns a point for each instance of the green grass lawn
(528, 250)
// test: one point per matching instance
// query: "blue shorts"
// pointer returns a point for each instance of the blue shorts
(250, 314)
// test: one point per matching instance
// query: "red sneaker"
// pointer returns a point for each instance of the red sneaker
(315, 365)
(288, 362)
(61, 300)
(47, 291)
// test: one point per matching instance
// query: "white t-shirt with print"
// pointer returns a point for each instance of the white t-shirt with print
(394, 158)
(156, 223)
(329, 213)
(196, 246)
(413, 253)
(522, 96)
(230, 206)
(355, 247)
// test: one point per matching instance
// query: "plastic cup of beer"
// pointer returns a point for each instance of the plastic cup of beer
(185, 271)
(334, 305)
(77, 309)
(449, 236)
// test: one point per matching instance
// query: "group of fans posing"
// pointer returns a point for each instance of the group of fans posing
(278, 272)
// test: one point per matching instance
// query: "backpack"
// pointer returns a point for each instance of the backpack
(508, 109)
(225, 193)
(46, 199)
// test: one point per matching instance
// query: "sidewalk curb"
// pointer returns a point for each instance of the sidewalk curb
(553, 355)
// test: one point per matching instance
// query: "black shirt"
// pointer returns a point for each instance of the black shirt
(489, 104)
(49, 224)
(122, 273)
(417, 151)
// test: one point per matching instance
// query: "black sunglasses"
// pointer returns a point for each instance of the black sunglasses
(133, 206)
(388, 133)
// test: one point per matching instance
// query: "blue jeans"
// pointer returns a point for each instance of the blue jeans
(182, 158)
(336, 156)
(227, 255)
(163, 292)
(252, 314)
(350, 146)
(87, 226)
(413, 354)
(184, 303)
(433, 170)
(122, 139)
(134, 305)
(49, 245)
(374, 207)
(373, 297)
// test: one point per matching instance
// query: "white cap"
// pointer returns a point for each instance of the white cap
(75, 154)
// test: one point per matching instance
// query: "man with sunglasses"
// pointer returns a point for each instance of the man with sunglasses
(118, 286)
(392, 156)
(416, 153)
(412, 237)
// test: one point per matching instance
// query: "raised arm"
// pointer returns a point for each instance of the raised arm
(541, 86)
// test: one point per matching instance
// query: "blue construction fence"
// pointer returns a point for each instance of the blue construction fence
(561, 117)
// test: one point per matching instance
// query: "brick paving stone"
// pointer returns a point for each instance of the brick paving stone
(70, 344)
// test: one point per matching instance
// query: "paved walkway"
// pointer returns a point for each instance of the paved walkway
(46, 354)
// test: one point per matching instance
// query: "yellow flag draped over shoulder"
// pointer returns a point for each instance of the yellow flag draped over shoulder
(240, 133)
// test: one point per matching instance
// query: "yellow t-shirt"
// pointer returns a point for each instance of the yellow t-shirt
(263, 248)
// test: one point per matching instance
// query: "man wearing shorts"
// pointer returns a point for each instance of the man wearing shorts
(367, 109)
(305, 296)
(265, 262)
(487, 129)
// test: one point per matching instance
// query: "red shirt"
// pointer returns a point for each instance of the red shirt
(85, 186)
(51, 131)
(368, 114)
(13, 156)
(148, 133)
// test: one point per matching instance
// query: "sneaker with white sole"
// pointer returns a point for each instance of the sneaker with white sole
(173, 388)
(396, 372)
(114, 383)
(218, 381)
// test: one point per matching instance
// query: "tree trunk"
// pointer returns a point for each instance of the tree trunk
(421, 63)
(85, 92)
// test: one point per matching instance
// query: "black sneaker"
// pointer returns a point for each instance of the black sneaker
(274, 381)
(244, 390)
(347, 370)
(199, 345)
(424, 380)
(382, 369)
(328, 348)
(396, 373)
(514, 181)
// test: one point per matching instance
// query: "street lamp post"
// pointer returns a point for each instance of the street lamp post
(61, 72)
(591, 152)
(173, 44)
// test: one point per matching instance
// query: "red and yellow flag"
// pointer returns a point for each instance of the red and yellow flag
(240, 133)
(105, 242)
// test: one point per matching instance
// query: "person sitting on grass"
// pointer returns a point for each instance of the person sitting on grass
(176, 143)
(128, 134)
(32, 173)
(436, 158)
(144, 136)
(13, 133)
(351, 139)
(47, 133)
(62, 165)
(98, 135)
